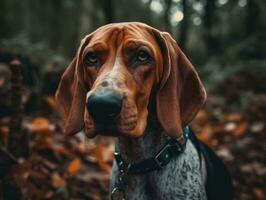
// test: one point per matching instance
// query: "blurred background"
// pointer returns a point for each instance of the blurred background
(224, 39)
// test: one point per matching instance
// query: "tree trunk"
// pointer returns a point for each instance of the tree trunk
(108, 9)
(184, 26)
(167, 24)
(252, 17)
(208, 21)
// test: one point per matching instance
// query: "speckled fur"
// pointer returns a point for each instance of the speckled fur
(181, 179)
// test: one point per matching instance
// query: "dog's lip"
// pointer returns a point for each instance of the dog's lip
(105, 127)
(110, 130)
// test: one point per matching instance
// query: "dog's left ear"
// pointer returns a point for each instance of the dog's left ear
(181, 93)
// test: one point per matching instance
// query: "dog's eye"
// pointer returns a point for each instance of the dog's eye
(91, 58)
(143, 56)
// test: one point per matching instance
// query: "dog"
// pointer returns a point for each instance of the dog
(132, 81)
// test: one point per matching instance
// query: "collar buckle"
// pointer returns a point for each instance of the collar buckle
(164, 154)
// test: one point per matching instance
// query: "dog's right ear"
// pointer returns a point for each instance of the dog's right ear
(71, 97)
(71, 93)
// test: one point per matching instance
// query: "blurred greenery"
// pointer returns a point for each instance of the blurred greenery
(224, 39)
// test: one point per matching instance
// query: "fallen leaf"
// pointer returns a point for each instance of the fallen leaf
(103, 154)
(104, 166)
(74, 166)
(259, 193)
(241, 129)
(4, 130)
(50, 100)
(205, 133)
(234, 117)
(40, 125)
(108, 153)
(58, 181)
(49, 194)
(62, 150)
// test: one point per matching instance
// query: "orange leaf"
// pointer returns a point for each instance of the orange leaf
(104, 166)
(50, 101)
(108, 153)
(74, 166)
(241, 129)
(234, 117)
(40, 125)
(103, 154)
(63, 150)
(206, 133)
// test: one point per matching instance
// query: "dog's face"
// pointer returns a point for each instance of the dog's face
(107, 87)
(120, 67)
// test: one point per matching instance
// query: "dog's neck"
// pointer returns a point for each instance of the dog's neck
(136, 149)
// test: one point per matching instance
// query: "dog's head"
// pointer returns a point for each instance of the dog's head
(107, 87)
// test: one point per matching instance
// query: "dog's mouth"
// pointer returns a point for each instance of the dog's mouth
(106, 128)
(110, 128)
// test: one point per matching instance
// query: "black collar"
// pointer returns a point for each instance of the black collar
(173, 148)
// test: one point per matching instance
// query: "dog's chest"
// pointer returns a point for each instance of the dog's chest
(181, 179)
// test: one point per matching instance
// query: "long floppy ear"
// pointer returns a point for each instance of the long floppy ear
(181, 93)
(71, 94)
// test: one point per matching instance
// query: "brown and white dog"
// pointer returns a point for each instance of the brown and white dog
(132, 81)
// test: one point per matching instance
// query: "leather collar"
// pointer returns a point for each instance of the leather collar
(172, 148)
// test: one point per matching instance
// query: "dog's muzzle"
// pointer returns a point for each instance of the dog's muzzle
(104, 107)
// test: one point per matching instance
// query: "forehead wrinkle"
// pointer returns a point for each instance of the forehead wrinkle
(96, 45)
(104, 35)
(119, 36)
(141, 35)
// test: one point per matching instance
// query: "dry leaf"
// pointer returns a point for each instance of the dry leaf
(234, 117)
(81, 148)
(103, 154)
(205, 133)
(62, 150)
(108, 153)
(104, 166)
(4, 130)
(40, 125)
(218, 128)
(49, 194)
(58, 181)
(259, 193)
(50, 101)
(74, 166)
(241, 129)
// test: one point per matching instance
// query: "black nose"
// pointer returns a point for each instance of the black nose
(104, 107)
